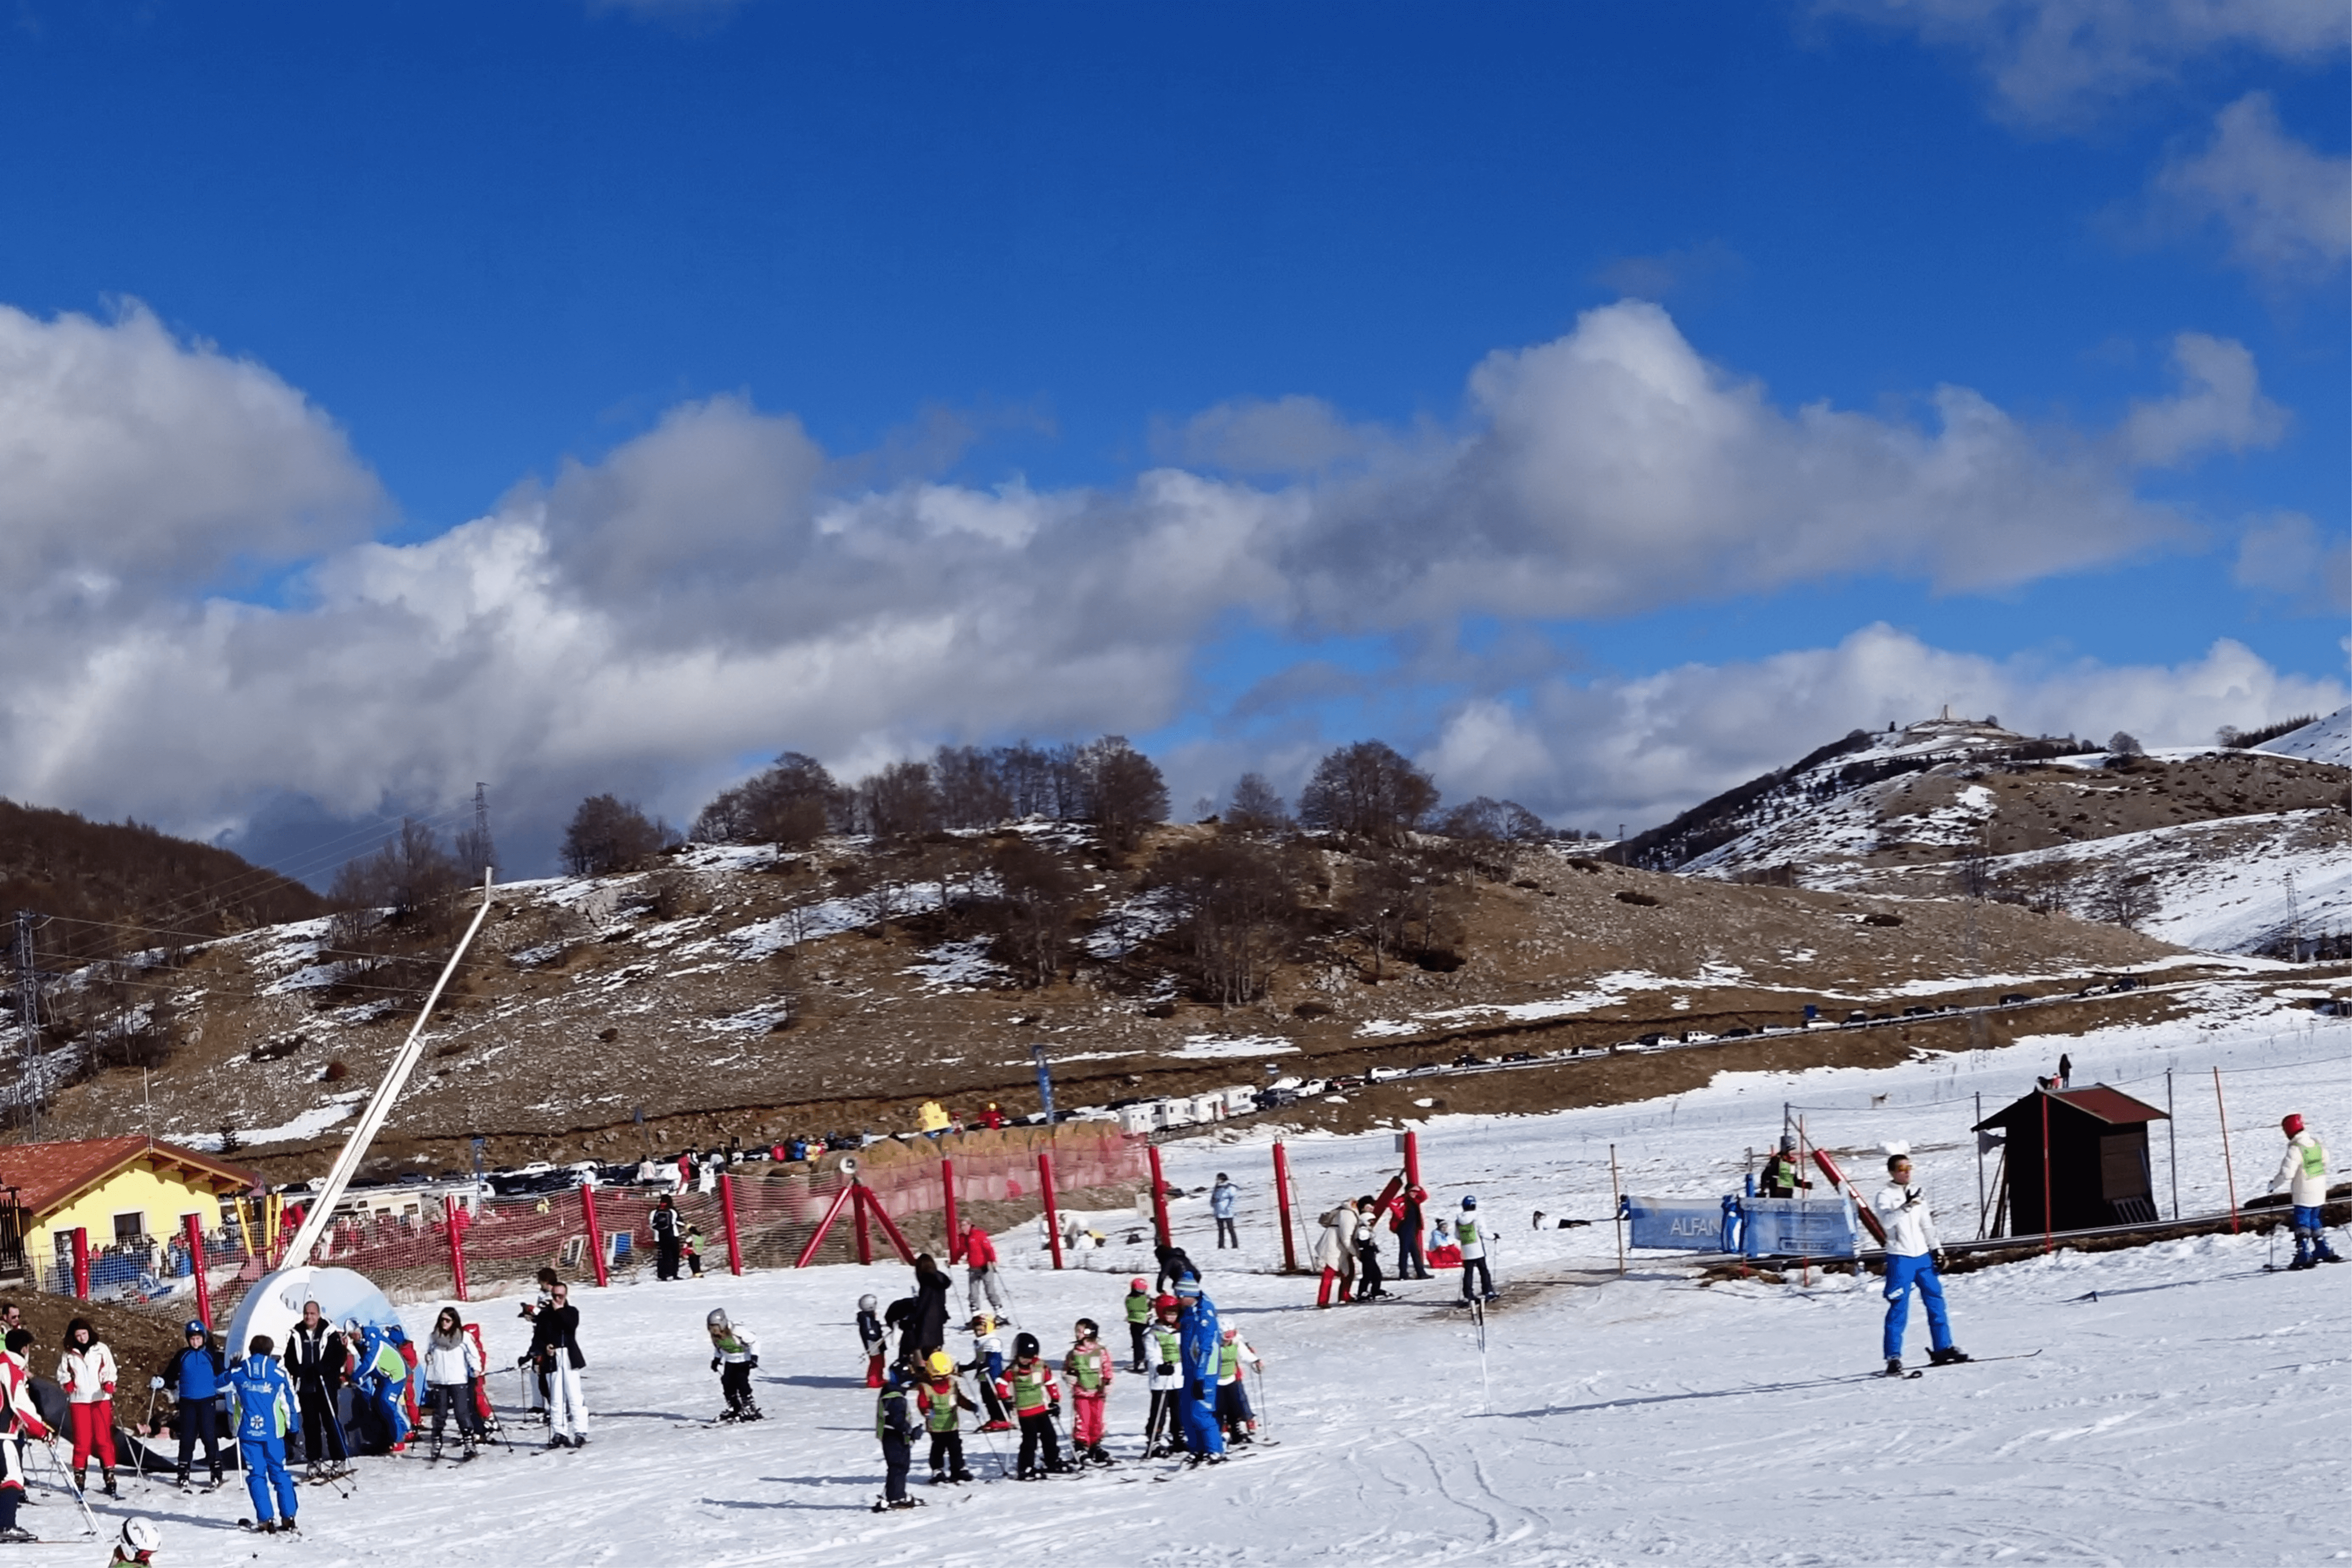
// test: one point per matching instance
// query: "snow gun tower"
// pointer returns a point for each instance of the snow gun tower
(275, 1299)
(2074, 1159)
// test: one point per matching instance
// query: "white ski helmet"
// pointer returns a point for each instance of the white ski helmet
(865, 1303)
(141, 1535)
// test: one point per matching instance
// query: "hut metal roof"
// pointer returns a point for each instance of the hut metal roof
(2112, 1107)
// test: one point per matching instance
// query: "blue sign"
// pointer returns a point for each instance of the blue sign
(1685, 1224)
(1799, 1226)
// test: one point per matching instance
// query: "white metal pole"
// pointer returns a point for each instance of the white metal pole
(314, 1223)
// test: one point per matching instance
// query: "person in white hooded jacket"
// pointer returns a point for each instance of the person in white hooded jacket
(1336, 1253)
(86, 1372)
(1913, 1250)
(2303, 1173)
(452, 1363)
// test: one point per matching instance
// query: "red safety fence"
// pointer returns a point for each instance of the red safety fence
(503, 1242)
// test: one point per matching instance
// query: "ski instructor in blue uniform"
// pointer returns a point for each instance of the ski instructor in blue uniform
(262, 1403)
(1912, 1253)
(1202, 1347)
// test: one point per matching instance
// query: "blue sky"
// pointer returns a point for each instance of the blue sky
(613, 314)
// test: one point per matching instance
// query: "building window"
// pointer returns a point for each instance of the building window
(131, 1230)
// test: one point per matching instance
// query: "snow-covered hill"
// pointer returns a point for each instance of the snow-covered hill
(2327, 740)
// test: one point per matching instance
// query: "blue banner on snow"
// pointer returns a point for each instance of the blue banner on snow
(1799, 1226)
(1694, 1226)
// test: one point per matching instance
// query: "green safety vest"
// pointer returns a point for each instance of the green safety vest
(1229, 1359)
(1028, 1386)
(1138, 1306)
(1466, 1231)
(1086, 1368)
(2314, 1160)
(940, 1407)
(1171, 1343)
(882, 1423)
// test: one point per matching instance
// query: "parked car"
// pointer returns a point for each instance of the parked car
(1915, 1012)
(1737, 1034)
(2010, 998)
(1469, 1059)
(1519, 1056)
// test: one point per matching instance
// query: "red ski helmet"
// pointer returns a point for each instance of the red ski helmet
(1135, 1285)
(2292, 1123)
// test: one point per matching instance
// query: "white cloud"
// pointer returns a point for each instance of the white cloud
(1639, 750)
(719, 587)
(2219, 405)
(2060, 62)
(2288, 556)
(2286, 208)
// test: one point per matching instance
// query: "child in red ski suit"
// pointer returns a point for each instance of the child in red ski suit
(1088, 1366)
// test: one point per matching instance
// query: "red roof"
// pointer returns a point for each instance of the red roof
(48, 1177)
(2112, 1107)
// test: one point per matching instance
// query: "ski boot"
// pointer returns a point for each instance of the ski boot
(1096, 1456)
(1894, 1366)
(750, 1412)
(2302, 1261)
(17, 1533)
(106, 1478)
(1950, 1355)
(962, 1475)
(215, 1480)
(184, 1477)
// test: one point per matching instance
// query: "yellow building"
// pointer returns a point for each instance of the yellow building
(132, 1193)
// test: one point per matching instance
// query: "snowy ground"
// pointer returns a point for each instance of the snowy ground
(2196, 1413)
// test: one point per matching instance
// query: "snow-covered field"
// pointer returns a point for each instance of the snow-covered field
(2198, 1412)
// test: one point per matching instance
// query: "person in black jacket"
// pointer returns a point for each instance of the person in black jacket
(196, 1377)
(667, 1236)
(895, 1424)
(317, 1359)
(555, 1350)
(1175, 1268)
(927, 1326)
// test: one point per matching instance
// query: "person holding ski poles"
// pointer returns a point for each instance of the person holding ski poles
(196, 1377)
(317, 1359)
(1370, 1286)
(556, 1350)
(981, 1272)
(261, 1402)
(1163, 1433)
(939, 1401)
(19, 1420)
(1467, 1236)
(987, 1364)
(1088, 1369)
(1028, 1387)
(452, 1365)
(1408, 1223)
(1233, 1413)
(872, 1338)
(894, 1423)
(1782, 1176)
(670, 1239)
(2303, 1173)
(1913, 1251)
(1139, 1323)
(86, 1372)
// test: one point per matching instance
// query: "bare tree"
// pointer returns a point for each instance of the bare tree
(899, 801)
(608, 834)
(1126, 793)
(1036, 897)
(1368, 790)
(790, 803)
(2123, 896)
(1256, 806)
(1238, 898)
(972, 791)
(2123, 743)
(1378, 906)
(1491, 834)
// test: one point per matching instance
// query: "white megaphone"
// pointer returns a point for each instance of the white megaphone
(849, 1167)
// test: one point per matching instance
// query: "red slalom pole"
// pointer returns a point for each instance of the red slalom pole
(1282, 1203)
(82, 1263)
(1412, 1159)
(204, 1286)
(1158, 1199)
(955, 1237)
(727, 1216)
(452, 1217)
(1053, 1218)
(595, 1233)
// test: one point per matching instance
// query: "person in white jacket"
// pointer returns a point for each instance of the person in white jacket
(86, 1372)
(2303, 1173)
(452, 1363)
(1913, 1251)
(1335, 1252)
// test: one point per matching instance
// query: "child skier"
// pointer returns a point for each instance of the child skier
(138, 1544)
(690, 1247)
(1162, 1433)
(1028, 1386)
(988, 1361)
(734, 1356)
(1474, 1252)
(870, 1335)
(1088, 1368)
(86, 1372)
(894, 1423)
(1139, 1324)
(939, 1400)
(2303, 1172)
(1233, 1412)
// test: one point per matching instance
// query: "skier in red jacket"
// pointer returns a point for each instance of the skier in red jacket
(980, 1260)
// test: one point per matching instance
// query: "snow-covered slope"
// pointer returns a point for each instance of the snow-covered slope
(2192, 1413)
(2327, 740)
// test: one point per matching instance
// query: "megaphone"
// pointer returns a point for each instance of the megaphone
(849, 1165)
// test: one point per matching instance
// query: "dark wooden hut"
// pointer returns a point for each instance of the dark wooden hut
(2096, 1157)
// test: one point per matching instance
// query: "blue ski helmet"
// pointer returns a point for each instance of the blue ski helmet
(1469, 1203)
